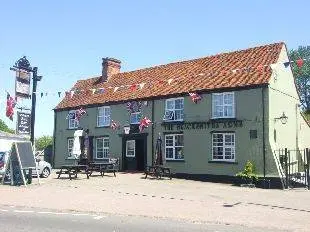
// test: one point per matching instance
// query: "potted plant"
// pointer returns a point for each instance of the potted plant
(248, 175)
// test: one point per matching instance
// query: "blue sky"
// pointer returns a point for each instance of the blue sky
(67, 39)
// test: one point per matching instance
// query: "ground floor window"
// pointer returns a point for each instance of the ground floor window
(70, 147)
(223, 146)
(102, 147)
(130, 148)
(174, 147)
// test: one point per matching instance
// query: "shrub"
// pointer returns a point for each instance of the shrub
(248, 174)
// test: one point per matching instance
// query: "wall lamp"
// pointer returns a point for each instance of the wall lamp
(283, 118)
(126, 129)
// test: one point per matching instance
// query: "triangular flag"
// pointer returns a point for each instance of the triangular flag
(300, 62)
(234, 71)
(273, 66)
(59, 94)
(41, 94)
(142, 85)
(169, 81)
(115, 89)
(286, 64)
(71, 93)
(133, 87)
(93, 90)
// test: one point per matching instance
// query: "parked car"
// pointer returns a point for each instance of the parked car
(44, 168)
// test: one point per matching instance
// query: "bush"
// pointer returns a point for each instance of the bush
(248, 174)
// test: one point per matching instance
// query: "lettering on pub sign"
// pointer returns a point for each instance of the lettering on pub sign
(202, 125)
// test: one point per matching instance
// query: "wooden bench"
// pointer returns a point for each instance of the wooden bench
(158, 171)
(73, 170)
(110, 165)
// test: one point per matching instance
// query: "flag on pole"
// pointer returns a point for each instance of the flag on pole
(10, 105)
(195, 97)
(144, 123)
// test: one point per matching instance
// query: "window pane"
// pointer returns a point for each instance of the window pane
(169, 140)
(229, 153)
(179, 104)
(170, 104)
(178, 115)
(218, 111)
(100, 121)
(217, 152)
(179, 154)
(218, 99)
(228, 111)
(169, 153)
(100, 111)
(130, 145)
(99, 154)
(106, 152)
(179, 140)
(228, 99)
(99, 143)
(106, 143)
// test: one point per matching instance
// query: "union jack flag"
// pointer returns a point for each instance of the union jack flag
(79, 113)
(195, 97)
(114, 125)
(144, 123)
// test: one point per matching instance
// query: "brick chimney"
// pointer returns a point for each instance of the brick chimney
(110, 66)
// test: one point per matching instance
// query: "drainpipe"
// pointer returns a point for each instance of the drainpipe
(264, 145)
(153, 125)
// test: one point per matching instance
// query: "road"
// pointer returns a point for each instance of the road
(15, 219)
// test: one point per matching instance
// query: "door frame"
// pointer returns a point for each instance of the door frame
(125, 137)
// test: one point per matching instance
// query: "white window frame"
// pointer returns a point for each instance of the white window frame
(106, 115)
(104, 155)
(224, 146)
(70, 149)
(174, 109)
(136, 115)
(173, 146)
(134, 150)
(72, 123)
(223, 105)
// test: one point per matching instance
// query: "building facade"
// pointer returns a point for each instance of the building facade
(244, 98)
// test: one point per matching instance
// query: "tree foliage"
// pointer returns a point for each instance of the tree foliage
(302, 74)
(5, 128)
(42, 142)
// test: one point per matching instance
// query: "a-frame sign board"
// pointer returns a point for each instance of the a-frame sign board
(21, 158)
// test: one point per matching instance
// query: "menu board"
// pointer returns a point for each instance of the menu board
(23, 123)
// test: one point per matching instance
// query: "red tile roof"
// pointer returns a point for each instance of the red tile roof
(203, 74)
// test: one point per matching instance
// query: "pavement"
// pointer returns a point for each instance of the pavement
(176, 199)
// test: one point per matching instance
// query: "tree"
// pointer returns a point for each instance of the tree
(302, 75)
(42, 142)
(5, 128)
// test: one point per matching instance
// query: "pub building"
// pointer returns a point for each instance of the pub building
(212, 114)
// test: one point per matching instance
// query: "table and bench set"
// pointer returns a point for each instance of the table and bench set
(111, 165)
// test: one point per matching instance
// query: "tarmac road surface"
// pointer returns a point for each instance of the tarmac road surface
(15, 219)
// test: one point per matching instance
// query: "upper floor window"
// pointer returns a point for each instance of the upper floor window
(135, 118)
(104, 116)
(174, 109)
(73, 123)
(223, 105)
(102, 147)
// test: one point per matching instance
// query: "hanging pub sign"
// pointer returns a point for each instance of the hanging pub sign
(22, 83)
(23, 123)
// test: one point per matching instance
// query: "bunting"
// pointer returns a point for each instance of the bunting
(195, 97)
(114, 125)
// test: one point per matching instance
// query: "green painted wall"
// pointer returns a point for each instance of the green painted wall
(197, 142)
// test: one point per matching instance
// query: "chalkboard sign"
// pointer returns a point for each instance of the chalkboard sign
(24, 150)
(23, 123)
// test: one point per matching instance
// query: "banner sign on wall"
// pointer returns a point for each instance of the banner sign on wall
(23, 123)
(22, 84)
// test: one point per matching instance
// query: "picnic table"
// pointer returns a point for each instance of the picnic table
(158, 171)
(102, 167)
(72, 170)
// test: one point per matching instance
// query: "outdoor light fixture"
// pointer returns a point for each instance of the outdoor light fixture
(283, 118)
(126, 129)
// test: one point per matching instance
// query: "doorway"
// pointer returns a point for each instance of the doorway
(134, 153)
